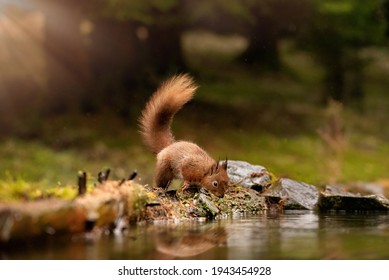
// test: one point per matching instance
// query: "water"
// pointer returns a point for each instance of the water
(291, 235)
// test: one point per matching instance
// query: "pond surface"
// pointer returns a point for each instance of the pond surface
(291, 235)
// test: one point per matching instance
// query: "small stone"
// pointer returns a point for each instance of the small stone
(208, 205)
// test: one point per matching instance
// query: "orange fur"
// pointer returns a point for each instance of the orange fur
(183, 160)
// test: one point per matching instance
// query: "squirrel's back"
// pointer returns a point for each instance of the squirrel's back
(158, 114)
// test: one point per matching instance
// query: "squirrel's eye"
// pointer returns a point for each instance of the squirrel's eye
(214, 183)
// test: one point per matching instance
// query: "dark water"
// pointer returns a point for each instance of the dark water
(291, 235)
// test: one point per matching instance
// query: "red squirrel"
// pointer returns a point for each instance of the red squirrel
(178, 159)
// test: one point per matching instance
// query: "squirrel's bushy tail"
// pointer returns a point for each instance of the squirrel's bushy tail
(158, 114)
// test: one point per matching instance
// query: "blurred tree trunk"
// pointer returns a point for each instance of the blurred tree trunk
(165, 49)
(117, 64)
(270, 21)
(165, 54)
(386, 15)
(66, 56)
(128, 53)
(357, 81)
(262, 48)
(334, 78)
(344, 76)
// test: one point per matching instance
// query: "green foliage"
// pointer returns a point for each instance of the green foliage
(136, 10)
(348, 22)
(339, 25)
(242, 10)
(337, 31)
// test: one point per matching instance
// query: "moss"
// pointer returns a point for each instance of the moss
(241, 201)
(13, 189)
(138, 197)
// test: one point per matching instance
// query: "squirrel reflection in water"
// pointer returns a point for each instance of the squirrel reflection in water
(176, 243)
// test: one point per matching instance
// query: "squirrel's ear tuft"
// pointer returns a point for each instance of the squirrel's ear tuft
(225, 164)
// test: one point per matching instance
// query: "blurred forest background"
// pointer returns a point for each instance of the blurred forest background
(298, 86)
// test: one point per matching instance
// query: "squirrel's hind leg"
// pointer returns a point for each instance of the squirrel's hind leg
(163, 174)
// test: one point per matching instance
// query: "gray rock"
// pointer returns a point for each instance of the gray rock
(366, 188)
(244, 174)
(293, 194)
(336, 198)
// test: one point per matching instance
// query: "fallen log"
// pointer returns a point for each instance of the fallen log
(104, 206)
